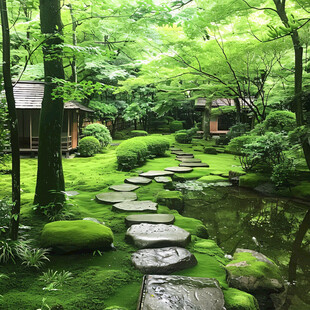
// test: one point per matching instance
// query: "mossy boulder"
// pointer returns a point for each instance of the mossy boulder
(252, 180)
(239, 300)
(210, 150)
(172, 199)
(193, 226)
(72, 236)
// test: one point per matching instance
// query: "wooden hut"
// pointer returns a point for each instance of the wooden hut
(28, 99)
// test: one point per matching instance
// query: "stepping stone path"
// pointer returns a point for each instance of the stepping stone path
(155, 173)
(124, 188)
(163, 179)
(194, 165)
(138, 180)
(184, 157)
(114, 197)
(149, 218)
(179, 292)
(189, 160)
(135, 206)
(182, 154)
(163, 260)
(155, 236)
(179, 169)
(175, 149)
(71, 193)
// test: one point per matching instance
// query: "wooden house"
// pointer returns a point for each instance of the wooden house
(28, 99)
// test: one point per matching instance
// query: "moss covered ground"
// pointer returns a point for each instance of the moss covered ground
(104, 279)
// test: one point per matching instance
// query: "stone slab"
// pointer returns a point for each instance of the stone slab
(163, 179)
(182, 154)
(149, 218)
(163, 260)
(135, 206)
(183, 157)
(71, 193)
(114, 197)
(156, 173)
(175, 149)
(179, 169)
(193, 165)
(189, 160)
(138, 180)
(155, 236)
(180, 293)
(124, 187)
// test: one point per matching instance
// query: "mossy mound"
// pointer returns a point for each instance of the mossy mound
(252, 180)
(210, 150)
(138, 133)
(71, 236)
(212, 179)
(171, 199)
(239, 300)
(302, 190)
(193, 226)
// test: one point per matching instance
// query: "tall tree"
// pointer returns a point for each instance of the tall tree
(13, 124)
(50, 178)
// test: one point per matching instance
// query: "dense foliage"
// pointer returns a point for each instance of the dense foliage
(89, 146)
(100, 132)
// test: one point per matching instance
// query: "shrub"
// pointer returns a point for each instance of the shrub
(138, 133)
(175, 126)
(54, 279)
(89, 146)
(100, 132)
(238, 130)
(278, 121)
(210, 150)
(185, 136)
(236, 145)
(156, 145)
(282, 172)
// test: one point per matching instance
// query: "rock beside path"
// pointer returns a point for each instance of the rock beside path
(163, 260)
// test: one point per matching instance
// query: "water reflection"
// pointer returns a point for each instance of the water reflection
(278, 228)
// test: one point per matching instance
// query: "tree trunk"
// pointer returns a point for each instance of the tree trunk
(206, 122)
(50, 179)
(238, 110)
(13, 123)
(74, 43)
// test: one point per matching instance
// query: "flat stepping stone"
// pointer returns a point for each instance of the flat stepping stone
(182, 154)
(163, 260)
(149, 218)
(193, 165)
(179, 169)
(157, 235)
(184, 157)
(189, 160)
(175, 149)
(156, 173)
(124, 187)
(135, 206)
(163, 179)
(114, 197)
(138, 180)
(71, 193)
(179, 292)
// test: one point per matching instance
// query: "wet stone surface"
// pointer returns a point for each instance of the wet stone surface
(135, 206)
(163, 179)
(114, 197)
(124, 187)
(138, 180)
(156, 236)
(179, 169)
(178, 292)
(156, 173)
(163, 260)
(193, 165)
(149, 218)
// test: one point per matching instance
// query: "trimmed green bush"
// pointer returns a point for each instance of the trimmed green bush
(278, 121)
(183, 137)
(138, 133)
(70, 236)
(100, 132)
(175, 126)
(210, 150)
(135, 151)
(236, 145)
(89, 146)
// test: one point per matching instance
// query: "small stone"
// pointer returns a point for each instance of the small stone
(149, 218)
(114, 197)
(155, 173)
(163, 179)
(138, 180)
(163, 260)
(71, 193)
(135, 206)
(124, 188)
(179, 169)
(155, 236)
(193, 165)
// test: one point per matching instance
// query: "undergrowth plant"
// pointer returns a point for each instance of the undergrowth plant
(54, 280)
(7, 251)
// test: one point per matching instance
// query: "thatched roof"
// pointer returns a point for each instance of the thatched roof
(29, 95)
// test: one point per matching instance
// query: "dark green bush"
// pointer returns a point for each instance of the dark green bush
(138, 133)
(156, 145)
(100, 132)
(182, 136)
(175, 126)
(282, 173)
(89, 146)
(278, 121)
(237, 144)
(238, 130)
(210, 150)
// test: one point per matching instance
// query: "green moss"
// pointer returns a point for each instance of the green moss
(138, 133)
(252, 180)
(302, 190)
(193, 226)
(210, 150)
(239, 300)
(70, 236)
(212, 179)
(171, 199)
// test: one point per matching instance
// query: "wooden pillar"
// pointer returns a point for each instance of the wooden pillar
(206, 122)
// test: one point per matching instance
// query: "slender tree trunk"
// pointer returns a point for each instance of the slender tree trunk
(74, 43)
(206, 121)
(238, 110)
(13, 124)
(50, 179)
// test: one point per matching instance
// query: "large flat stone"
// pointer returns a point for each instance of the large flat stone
(163, 260)
(155, 236)
(149, 218)
(156, 173)
(135, 206)
(179, 169)
(182, 156)
(138, 180)
(163, 179)
(181, 293)
(193, 165)
(189, 160)
(114, 197)
(124, 187)
(175, 149)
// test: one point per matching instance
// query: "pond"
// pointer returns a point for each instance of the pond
(240, 218)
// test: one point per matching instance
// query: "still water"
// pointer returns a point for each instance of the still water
(240, 218)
